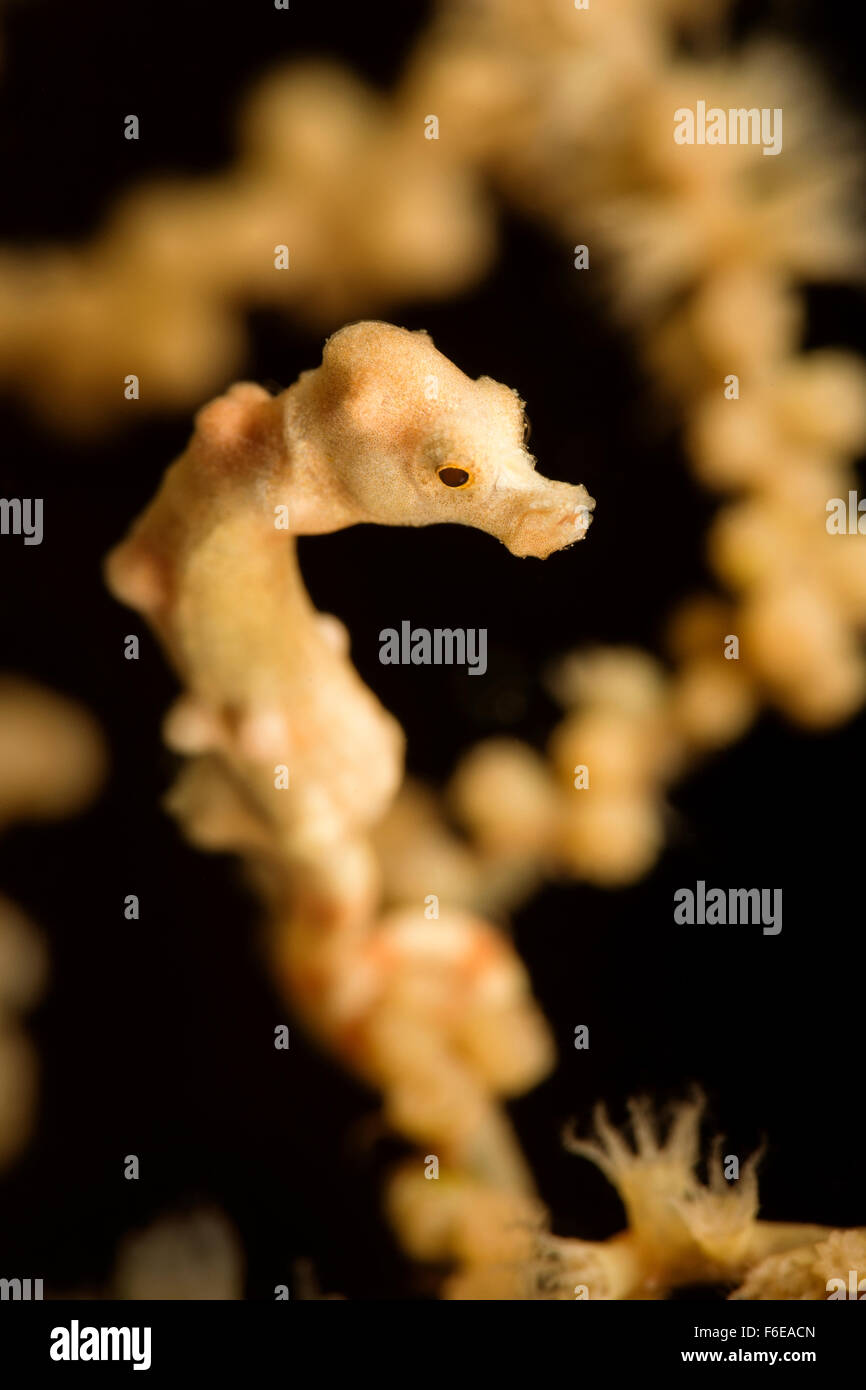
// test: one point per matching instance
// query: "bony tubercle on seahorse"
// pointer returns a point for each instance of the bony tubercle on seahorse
(386, 430)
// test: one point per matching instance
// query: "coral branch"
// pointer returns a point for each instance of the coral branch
(681, 1231)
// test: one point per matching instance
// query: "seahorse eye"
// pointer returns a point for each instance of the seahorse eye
(452, 476)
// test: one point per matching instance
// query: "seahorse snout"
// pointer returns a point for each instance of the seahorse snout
(561, 516)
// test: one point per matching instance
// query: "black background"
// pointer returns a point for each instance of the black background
(156, 1037)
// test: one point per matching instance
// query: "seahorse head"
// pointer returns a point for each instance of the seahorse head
(407, 439)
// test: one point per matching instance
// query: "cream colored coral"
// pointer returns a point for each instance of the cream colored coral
(52, 760)
(366, 210)
(814, 1271)
(18, 1082)
(419, 852)
(23, 969)
(23, 964)
(679, 1230)
(51, 753)
(708, 245)
(593, 809)
(195, 1256)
